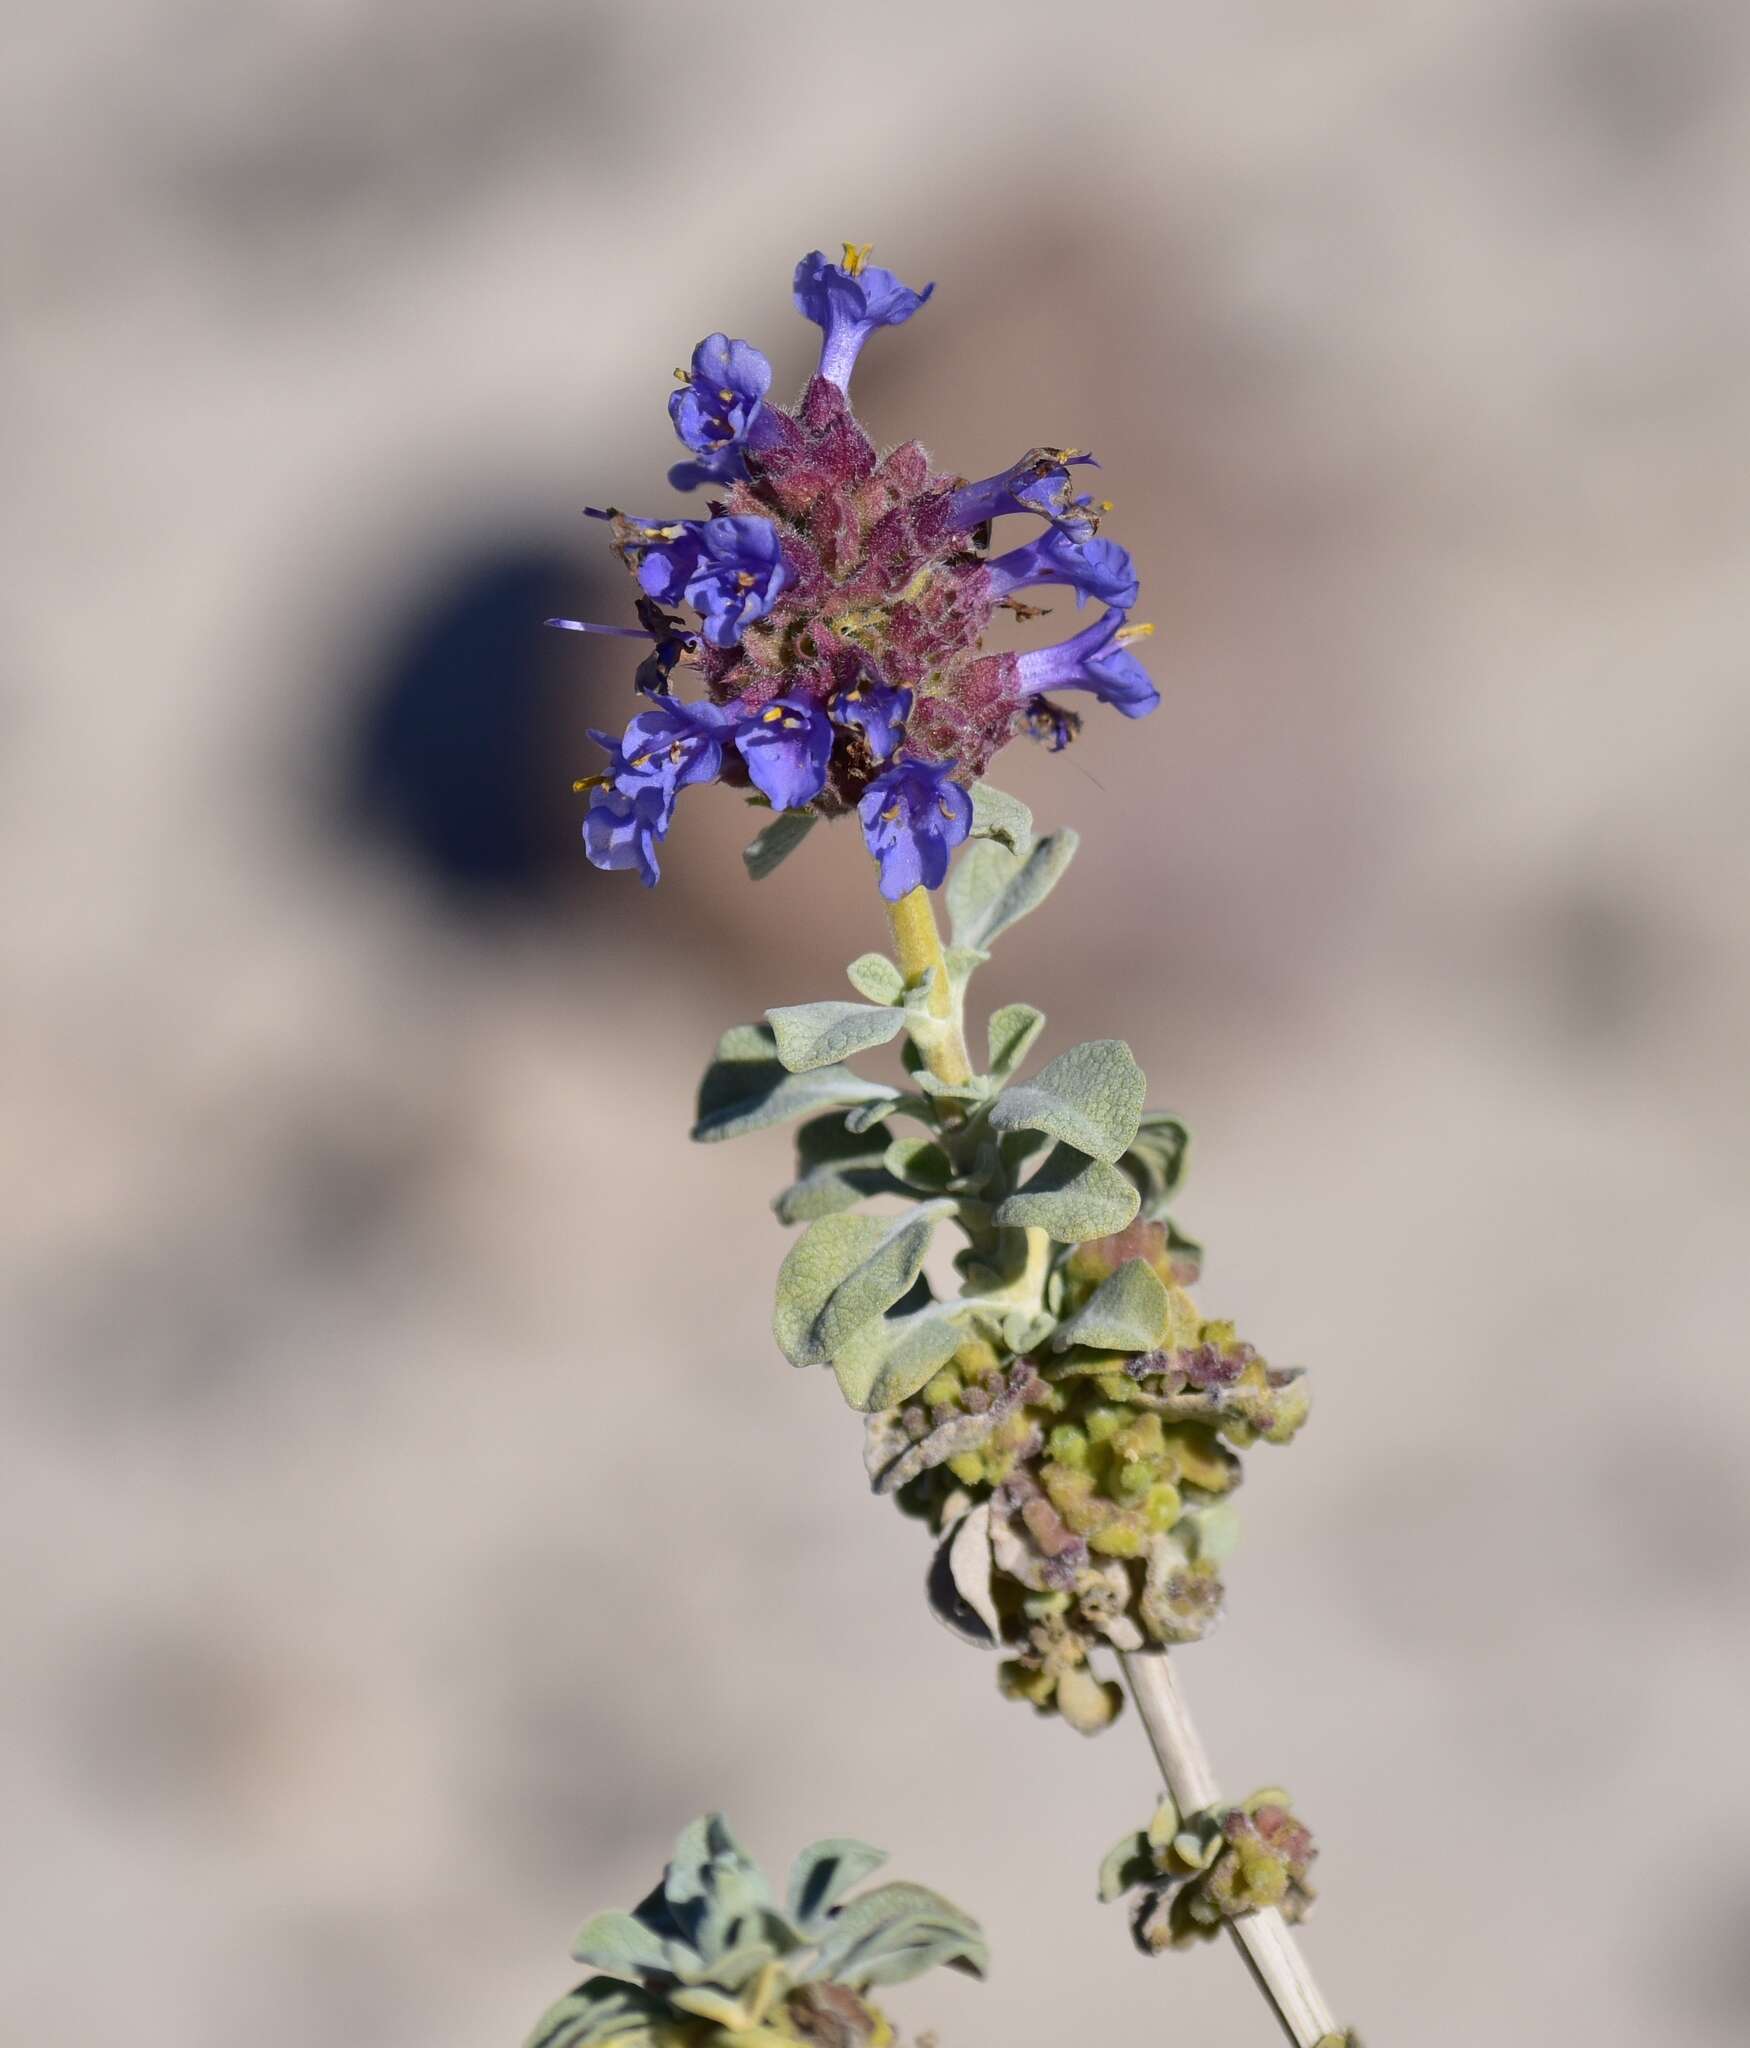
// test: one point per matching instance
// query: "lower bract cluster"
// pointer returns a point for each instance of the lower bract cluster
(1187, 1875)
(1099, 1480)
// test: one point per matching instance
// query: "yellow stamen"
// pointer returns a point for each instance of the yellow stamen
(728, 397)
(584, 782)
(1126, 634)
(681, 377)
(773, 715)
(1105, 504)
(856, 255)
(893, 814)
(745, 581)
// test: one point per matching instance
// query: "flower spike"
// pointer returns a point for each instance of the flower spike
(834, 606)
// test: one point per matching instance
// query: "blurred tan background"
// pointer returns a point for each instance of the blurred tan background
(409, 1521)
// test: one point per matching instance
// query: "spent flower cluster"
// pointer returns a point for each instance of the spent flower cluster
(841, 599)
(1191, 1872)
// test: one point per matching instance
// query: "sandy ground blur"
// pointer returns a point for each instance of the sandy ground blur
(409, 1522)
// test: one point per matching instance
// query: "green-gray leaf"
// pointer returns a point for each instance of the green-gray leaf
(620, 1945)
(747, 1087)
(824, 1872)
(1089, 1097)
(843, 1273)
(1004, 818)
(960, 1581)
(701, 1850)
(1157, 1158)
(1013, 1029)
(889, 1358)
(814, 1035)
(895, 1932)
(989, 888)
(1127, 1864)
(603, 2013)
(836, 1168)
(875, 976)
(920, 1163)
(1072, 1198)
(1126, 1312)
(776, 842)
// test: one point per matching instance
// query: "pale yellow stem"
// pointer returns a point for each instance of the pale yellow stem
(918, 944)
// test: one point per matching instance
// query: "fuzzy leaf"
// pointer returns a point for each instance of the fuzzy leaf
(887, 1360)
(814, 1035)
(895, 1932)
(1013, 1029)
(1089, 1097)
(1072, 1198)
(843, 1273)
(824, 1872)
(919, 1163)
(775, 842)
(701, 1850)
(875, 976)
(836, 1168)
(990, 888)
(620, 1945)
(1126, 1312)
(867, 1115)
(603, 2013)
(1156, 1158)
(960, 1581)
(735, 1966)
(1127, 1864)
(1004, 818)
(747, 1087)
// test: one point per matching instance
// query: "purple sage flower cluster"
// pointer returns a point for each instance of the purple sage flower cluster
(842, 599)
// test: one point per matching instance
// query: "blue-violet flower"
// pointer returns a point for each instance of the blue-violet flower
(913, 818)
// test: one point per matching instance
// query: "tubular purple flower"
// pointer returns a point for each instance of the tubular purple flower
(1039, 483)
(847, 301)
(786, 747)
(730, 570)
(1092, 568)
(1095, 659)
(878, 711)
(622, 831)
(719, 410)
(680, 744)
(913, 818)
